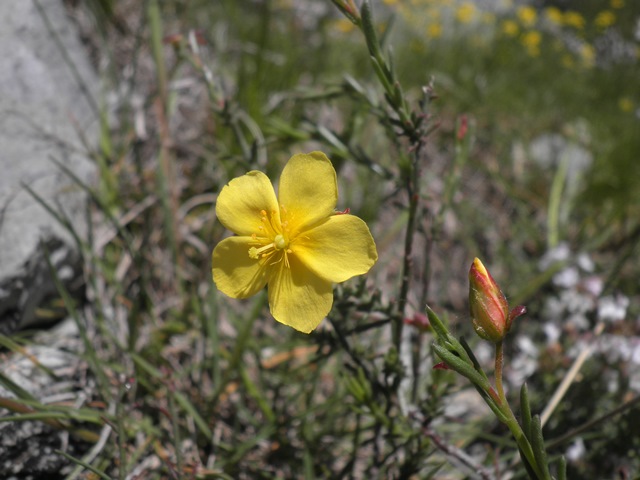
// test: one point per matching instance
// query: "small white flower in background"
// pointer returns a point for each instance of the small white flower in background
(635, 356)
(593, 285)
(576, 450)
(559, 253)
(525, 362)
(612, 308)
(567, 278)
(585, 263)
(552, 331)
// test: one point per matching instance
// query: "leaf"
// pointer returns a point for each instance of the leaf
(537, 445)
(525, 411)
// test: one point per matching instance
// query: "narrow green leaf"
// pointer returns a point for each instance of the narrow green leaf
(70, 305)
(525, 411)
(495, 408)
(527, 465)
(40, 416)
(18, 391)
(460, 366)
(188, 407)
(472, 357)
(562, 468)
(369, 30)
(146, 366)
(379, 69)
(437, 324)
(255, 393)
(537, 445)
(556, 203)
(77, 461)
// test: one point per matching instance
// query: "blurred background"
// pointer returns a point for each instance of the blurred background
(531, 162)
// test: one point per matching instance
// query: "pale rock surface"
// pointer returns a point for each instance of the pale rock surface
(43, 116)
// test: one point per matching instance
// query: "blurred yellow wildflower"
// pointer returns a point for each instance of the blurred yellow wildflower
(568, 61)
(296, 243)
(625, 104)
(531, 40)
(617, 3)
(588, 55)
(605, 19)
(527, 15)
(344, 25)
(510, 28)
(434, 30)
(284, 4)
(488, 18)
(466, 12)
(434, 13)
(554, 15)
(573, 19)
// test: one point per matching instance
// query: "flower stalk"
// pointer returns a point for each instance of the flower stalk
(492, 320)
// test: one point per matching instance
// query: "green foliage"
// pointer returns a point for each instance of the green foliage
(209, 387)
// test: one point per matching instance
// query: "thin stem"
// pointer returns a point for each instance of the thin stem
(511, 420)
(498, 372)
(478, 470)
(593, 423)
(412, 191)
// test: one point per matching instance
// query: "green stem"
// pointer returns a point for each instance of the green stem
(412, 192)
(498, 372)
(511, 420)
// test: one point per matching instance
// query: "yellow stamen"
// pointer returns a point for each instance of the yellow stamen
(263, 251)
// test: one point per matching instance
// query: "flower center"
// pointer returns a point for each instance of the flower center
(272, 238)
(279, 242)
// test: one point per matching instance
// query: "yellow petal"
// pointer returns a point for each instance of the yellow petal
(308, 189)
(234, 272)
(240, 202)
(297, 297)
(337, 249)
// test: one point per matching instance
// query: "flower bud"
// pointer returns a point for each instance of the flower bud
(489, 307)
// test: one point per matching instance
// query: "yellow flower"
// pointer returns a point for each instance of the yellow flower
(554, 15)
(588, 55)
(617, 3)
(527, 15)
(567, 61)
(295, 243)
(343, 25)
(574, 19)
(625, 104)
(434, 30)
(466, 12)
(510, 28)
(605, 19)
(488, 18)
(531, 40)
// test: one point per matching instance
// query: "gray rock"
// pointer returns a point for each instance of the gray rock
(45, 114)
(28, 448)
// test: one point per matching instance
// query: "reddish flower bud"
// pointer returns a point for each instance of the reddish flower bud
(441, 366)
(419, 321)
(489, 307)
(463, 126)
